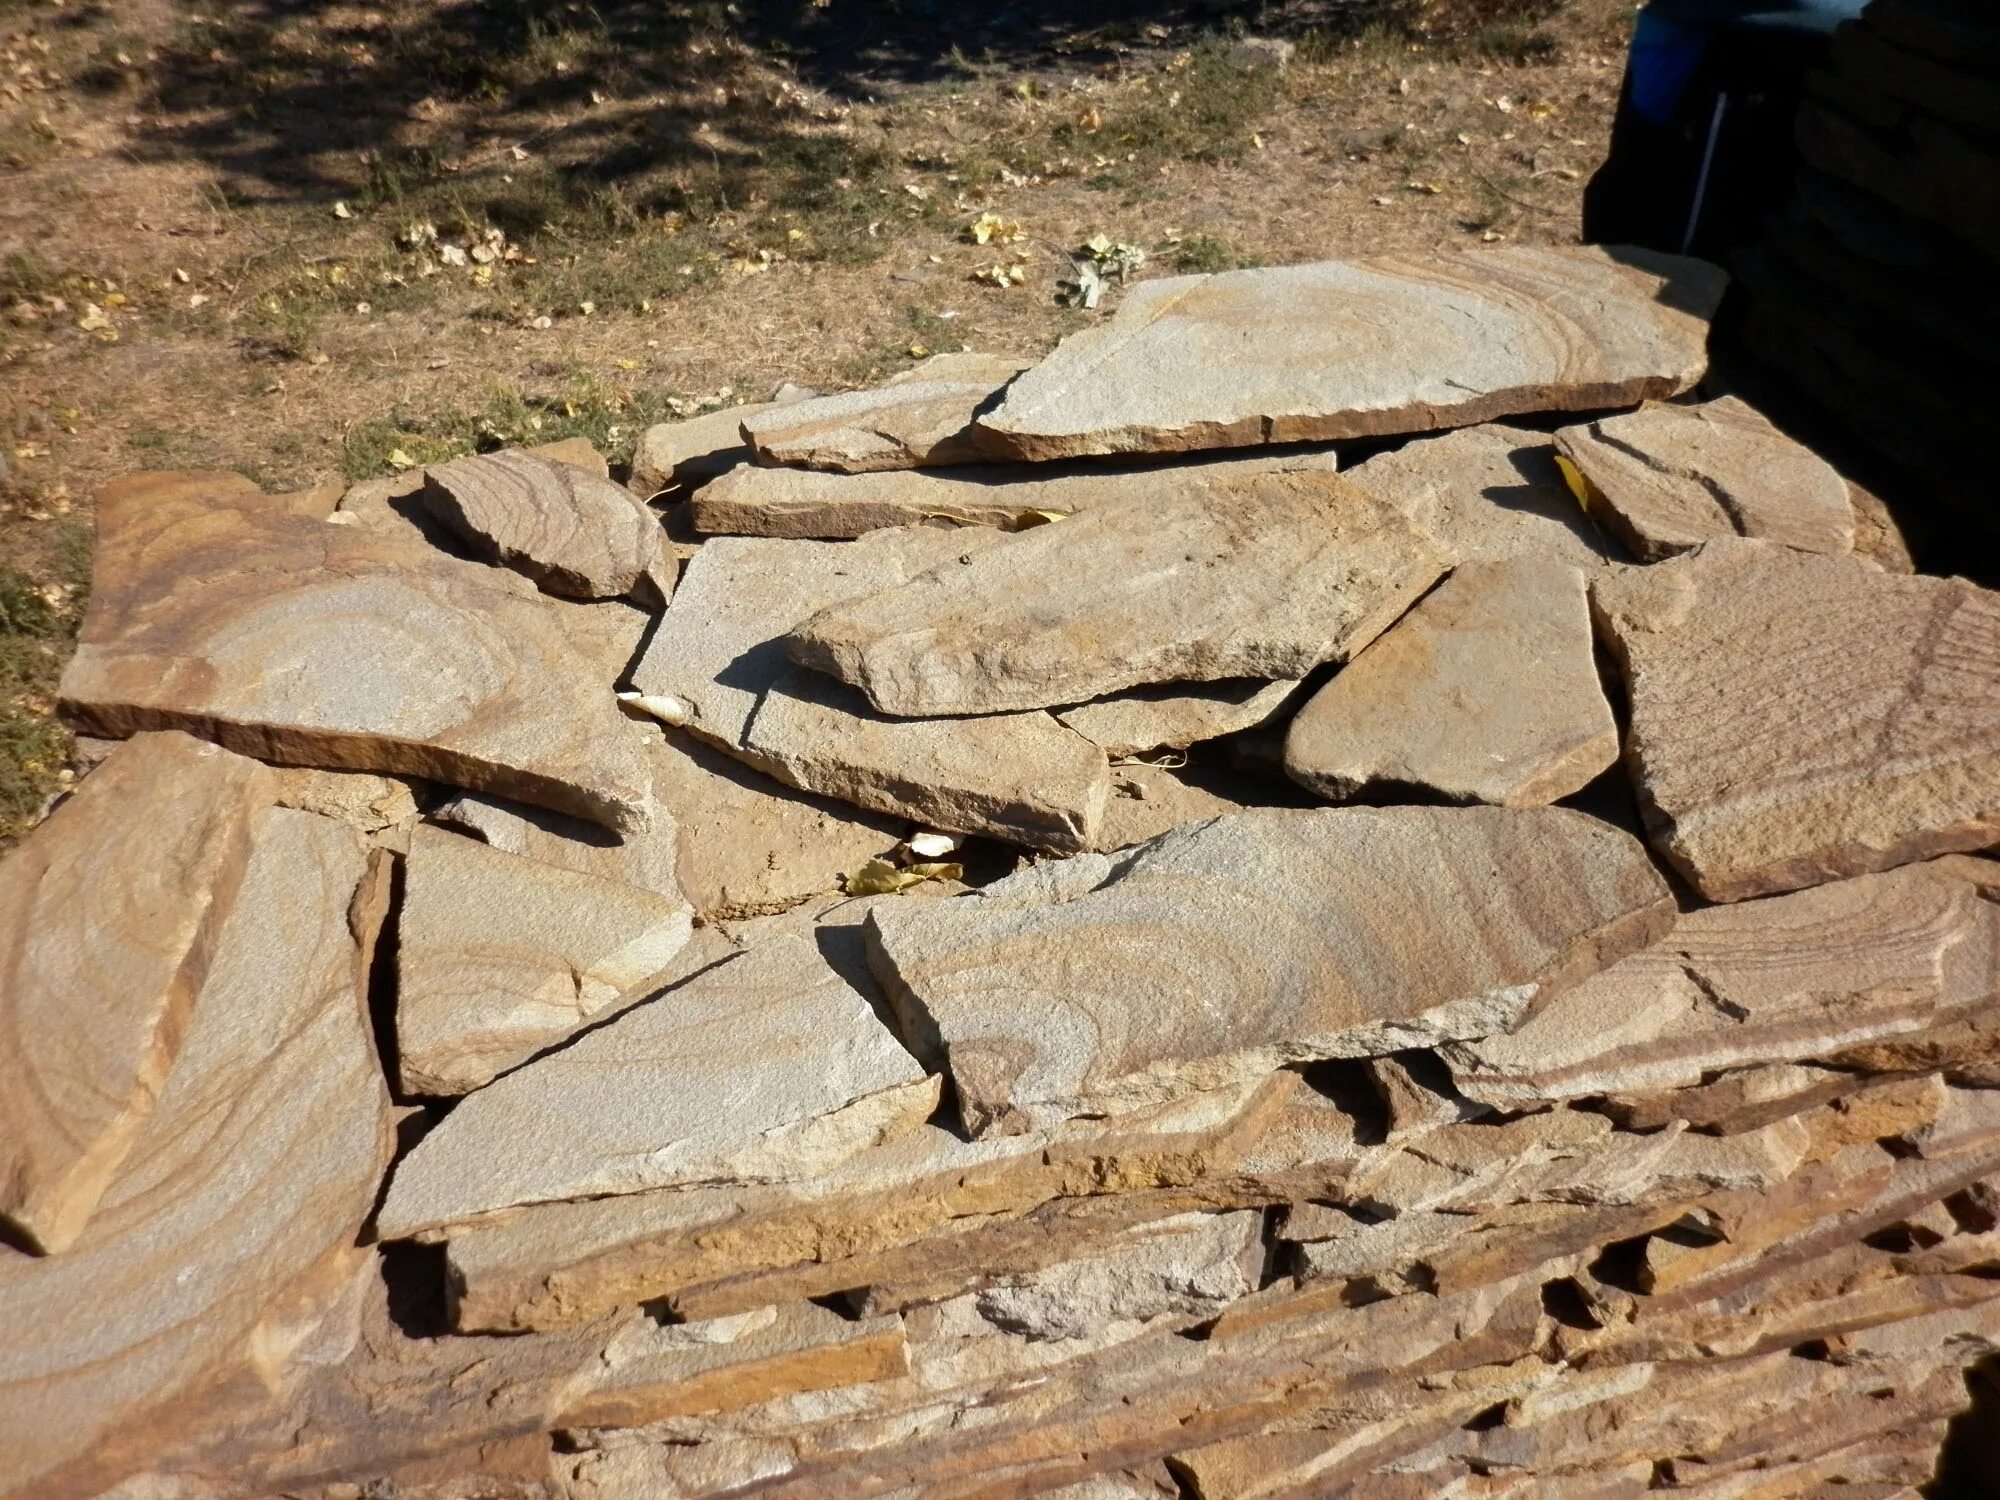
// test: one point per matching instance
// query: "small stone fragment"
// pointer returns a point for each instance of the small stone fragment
(1666, 478)
(573, 533)
(677, 455)
(1797, 718)
(1364, 348)
(1264, 579)
(500, 957)
(922, 418)
(1174, 717)
(1487, 691)
(1090, 986)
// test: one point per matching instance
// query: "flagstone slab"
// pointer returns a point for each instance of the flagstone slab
(1177, 716)
(1797, 718)
(1089, 986)
(499, 957)
(720, 650)
(1265, 578)
(1365, 348)
(922, 418)
(672, 455)
(1666, 478)
(109, 912)
(1487, 691)
(309, 643)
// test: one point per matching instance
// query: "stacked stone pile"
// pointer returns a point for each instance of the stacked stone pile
(1000, 970)
(1873, 288)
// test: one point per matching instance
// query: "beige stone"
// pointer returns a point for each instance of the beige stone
(1090, 986)
(720, 650)
(500, 957)
(573, 533)
(370, 803)
(1487, 691)
(1147, 800)
(1796, 718)
(1666, 478)
(673, 455)
(1265, 578)
(1486, 494)
(235, 1213)
(752, 500)
(1366, 348)
(922, 418)
(1177, 716)
(108, 919)
(308, 643)
(702, 1083)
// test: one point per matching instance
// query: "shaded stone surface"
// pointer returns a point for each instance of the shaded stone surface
(314, 644)
(752, 500)
(1265, 579)
(1796, 718)
(574, 533)
(1487, 691)
(920, 418)
(721, 650)
(1089, 986)
(1365, 348)
(109, 913)
(702, 1083)
(1175, 717)
(499, 957)
(234, 1215)
(1667, 478)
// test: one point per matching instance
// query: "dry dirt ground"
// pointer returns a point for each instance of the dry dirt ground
(315, 241)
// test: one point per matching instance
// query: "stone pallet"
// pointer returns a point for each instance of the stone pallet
(1017, 995)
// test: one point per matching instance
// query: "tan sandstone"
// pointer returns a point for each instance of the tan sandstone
(918, 419)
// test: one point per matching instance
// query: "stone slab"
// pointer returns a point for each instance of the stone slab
(1090, 986)
(1487, 691)
(1797, 718)
(922, 418)
(671, 455)
(308, 643)
(1366, 348)
(1666, 478)
(1177, 716)
(109, 912)
(1264, 578)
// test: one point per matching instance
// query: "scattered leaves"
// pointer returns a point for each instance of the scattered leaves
(880, 878)
(991, 229)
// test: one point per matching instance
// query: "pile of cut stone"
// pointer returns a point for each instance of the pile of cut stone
(933, 1037)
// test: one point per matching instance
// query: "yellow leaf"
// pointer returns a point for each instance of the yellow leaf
(1573, 477)
(1023, 520)
(399, 460)
(880, 878)
(626, 364)
(342, 211)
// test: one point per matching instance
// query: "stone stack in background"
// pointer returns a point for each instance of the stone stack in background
(1872, 290)
(884, 1008)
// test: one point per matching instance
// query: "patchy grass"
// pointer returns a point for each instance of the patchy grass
(41, 602)
(1205, 253)
(582, 406)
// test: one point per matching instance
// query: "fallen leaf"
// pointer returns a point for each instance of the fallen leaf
(399, 460)
(342, 211)
(1023, 520)
(880, 878)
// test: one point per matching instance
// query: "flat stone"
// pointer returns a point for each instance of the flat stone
(368, 802)
(108, 917)
(1366, 348)
(499, 957)
(1487, 691)
(922, 418)
(700, 1084)
(1796, 718)
(1089, 986)
(1147, 800)
(395, 658)
(1793, 977)
(1177, 716)
(1667, 478)
(671, 455)
(237, 1210)
(1264, 578)
(574, 534)
(1486, 494)
(752, 500)
(720, 649)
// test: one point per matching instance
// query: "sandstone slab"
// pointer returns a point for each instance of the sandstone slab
(499, 957)
(108, 919)
(1266, 579)
(1090, 986)
(752, 500)
(1486, 494)
(1666, 478)
(235, 1213)
(705, 1082)
(1487, 691)
(309, 643)
(922, 418)
(720, 649)
(1147, 800)
(1796, 718)
(575, 534)
(1175, 717)
(1365, 348)
(674, 455)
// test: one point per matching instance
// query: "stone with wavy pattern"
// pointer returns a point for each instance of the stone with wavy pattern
(1365, 348)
